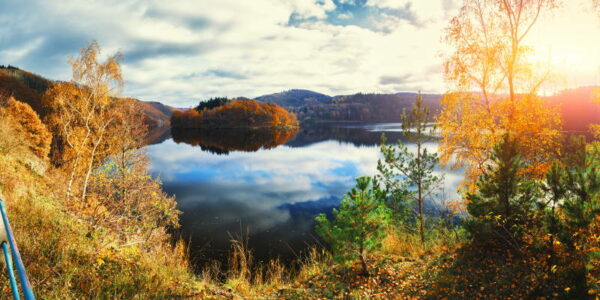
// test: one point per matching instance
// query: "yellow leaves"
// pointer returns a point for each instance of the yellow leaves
(471, 127)
(99, 262)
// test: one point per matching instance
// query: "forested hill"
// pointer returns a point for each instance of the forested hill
(295, 98)
(576, 106)
(314, 106)
(29, 88)
(365, 107)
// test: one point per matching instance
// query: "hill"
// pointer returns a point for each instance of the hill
(365, 107)
(157, 114)
(576, 105)
(295, 98)
(29, 88)
(577, 108)
(24, 86)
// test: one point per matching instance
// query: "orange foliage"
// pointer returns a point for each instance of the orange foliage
(83, 114)
(470, 129)
(490, 56)
(236, 114)
(28, 125)
(10, 86)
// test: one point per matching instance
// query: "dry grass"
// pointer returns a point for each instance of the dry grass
(66, 258)
(245, 278)
(408, 245)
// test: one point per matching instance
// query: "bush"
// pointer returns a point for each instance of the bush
(26, 123)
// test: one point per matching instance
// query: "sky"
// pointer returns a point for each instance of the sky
(181, 51)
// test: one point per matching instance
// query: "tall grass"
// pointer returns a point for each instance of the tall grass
(408, 244)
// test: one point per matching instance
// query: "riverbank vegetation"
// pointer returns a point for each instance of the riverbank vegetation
(225, 113)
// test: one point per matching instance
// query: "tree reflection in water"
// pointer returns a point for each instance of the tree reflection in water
(223, 141)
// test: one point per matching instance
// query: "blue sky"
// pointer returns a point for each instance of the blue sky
(181, 51)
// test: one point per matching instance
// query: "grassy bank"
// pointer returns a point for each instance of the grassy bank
(66, 256)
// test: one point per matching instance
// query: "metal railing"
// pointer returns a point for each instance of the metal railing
(11, 253)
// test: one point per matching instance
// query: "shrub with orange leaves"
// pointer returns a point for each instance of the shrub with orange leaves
(27, 124)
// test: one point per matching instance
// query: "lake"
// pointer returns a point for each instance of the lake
(268, 186)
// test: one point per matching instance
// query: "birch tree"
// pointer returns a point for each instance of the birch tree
(82, 113)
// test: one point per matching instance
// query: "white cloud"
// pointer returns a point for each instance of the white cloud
(173, 48)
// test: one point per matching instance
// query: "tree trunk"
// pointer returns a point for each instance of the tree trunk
(420, 195)
(363, 260)
(88, 173)
(421, 219)
(72, 178)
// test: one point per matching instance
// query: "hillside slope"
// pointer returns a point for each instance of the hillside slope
(29, 88)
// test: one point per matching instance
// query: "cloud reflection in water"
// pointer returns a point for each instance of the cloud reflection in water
(274, 193)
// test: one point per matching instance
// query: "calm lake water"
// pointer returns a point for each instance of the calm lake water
(268, 185)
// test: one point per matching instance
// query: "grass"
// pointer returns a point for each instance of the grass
(403, 268)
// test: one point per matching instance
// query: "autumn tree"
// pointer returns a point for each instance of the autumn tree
(127, 137)
(27, 124)
(358, 226)
(493, 87)
(82, 115)
(414, 169)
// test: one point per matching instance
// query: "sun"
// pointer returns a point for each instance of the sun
(566, 41)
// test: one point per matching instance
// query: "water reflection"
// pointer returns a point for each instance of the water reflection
(275, 192)
(222, 141)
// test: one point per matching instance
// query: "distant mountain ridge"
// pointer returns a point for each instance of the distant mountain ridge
(295, 98)
(577, 108)
(576, 105)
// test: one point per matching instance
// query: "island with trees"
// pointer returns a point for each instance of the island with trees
(234, 113)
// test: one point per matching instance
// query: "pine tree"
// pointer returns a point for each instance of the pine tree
(392, 190)
(357, 227)
(504, 199)
(401, 168)
(571, 215)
